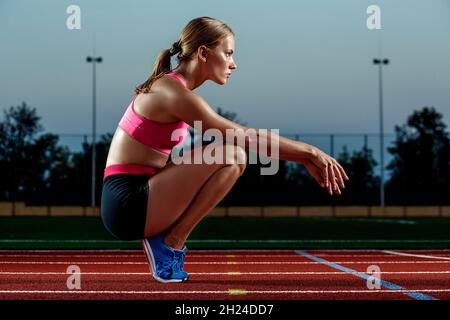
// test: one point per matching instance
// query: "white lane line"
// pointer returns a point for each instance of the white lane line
(192, 256)
(224, 255)
(201, 251)
(360, 255)
(88, 251)
(85, 256)
(43, 263)
(373, 250)
(387, 284)
(234, 241)
(80, 273)
(415, 255)
(221, 263)
(75, 292)
(196, 256)
(315, 262)
(193, 251)
(233, 273)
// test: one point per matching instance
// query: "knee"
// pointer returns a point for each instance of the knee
(236, 156)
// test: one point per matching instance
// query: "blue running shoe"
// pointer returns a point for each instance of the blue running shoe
(179, 264)
(163, 260)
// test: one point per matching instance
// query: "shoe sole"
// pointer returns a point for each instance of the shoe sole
(149, 254)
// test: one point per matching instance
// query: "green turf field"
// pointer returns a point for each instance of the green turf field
(288, 233)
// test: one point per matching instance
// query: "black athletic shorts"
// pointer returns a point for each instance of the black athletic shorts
(124, 205)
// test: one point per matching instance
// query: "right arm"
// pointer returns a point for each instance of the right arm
(190, 107)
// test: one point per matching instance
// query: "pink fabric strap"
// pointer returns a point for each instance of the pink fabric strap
(129, 169)
(152, 133)
(178, 76)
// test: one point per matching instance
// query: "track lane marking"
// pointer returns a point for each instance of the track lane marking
(195, 251)
(415, 255)
(221, 263)
(297, 241)
(140, 250)
(223, 273)
(390, 285)
(233, 292)
(196, 256)
(74, 292)
(70, 256)
(237, 273)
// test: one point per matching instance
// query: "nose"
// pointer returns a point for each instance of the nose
(233, 66)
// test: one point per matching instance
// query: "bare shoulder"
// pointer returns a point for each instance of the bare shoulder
(165, 90)
(187, 101)
(156, 104)
(165, 93)
(168, 86)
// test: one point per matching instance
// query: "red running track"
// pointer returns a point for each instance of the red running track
(229, 274)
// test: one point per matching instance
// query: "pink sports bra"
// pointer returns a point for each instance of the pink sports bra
(153, 134)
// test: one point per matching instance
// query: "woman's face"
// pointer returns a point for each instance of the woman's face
(219, 61)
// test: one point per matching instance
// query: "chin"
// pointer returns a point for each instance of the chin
(221, 81)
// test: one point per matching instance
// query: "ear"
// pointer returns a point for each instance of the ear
(202, 53)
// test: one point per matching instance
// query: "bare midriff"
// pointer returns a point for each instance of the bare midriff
(125, 149)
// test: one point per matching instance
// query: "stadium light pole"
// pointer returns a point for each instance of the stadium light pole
(380, 62)
(94, 60)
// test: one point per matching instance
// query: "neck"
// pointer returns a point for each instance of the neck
(191, 74)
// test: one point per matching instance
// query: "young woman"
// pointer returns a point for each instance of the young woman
(147, 197)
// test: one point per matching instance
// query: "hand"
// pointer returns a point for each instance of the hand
(314, 171)
(330, 171)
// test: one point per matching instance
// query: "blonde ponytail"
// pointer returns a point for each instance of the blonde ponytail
(200, 31)
(160, 67)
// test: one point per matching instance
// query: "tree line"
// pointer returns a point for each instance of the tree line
(36, 169)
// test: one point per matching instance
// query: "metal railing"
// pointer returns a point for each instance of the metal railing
(78, 188)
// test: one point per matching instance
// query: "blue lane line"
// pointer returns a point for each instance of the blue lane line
(415, 295)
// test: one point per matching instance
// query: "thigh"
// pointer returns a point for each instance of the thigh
(173, 188)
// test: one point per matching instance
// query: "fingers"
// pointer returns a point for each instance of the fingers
(332, 185)
(339, 176)
(342, 171)
(336, 190)
(325, 177)
(334, 178)
(315, 173)
(332, 174)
